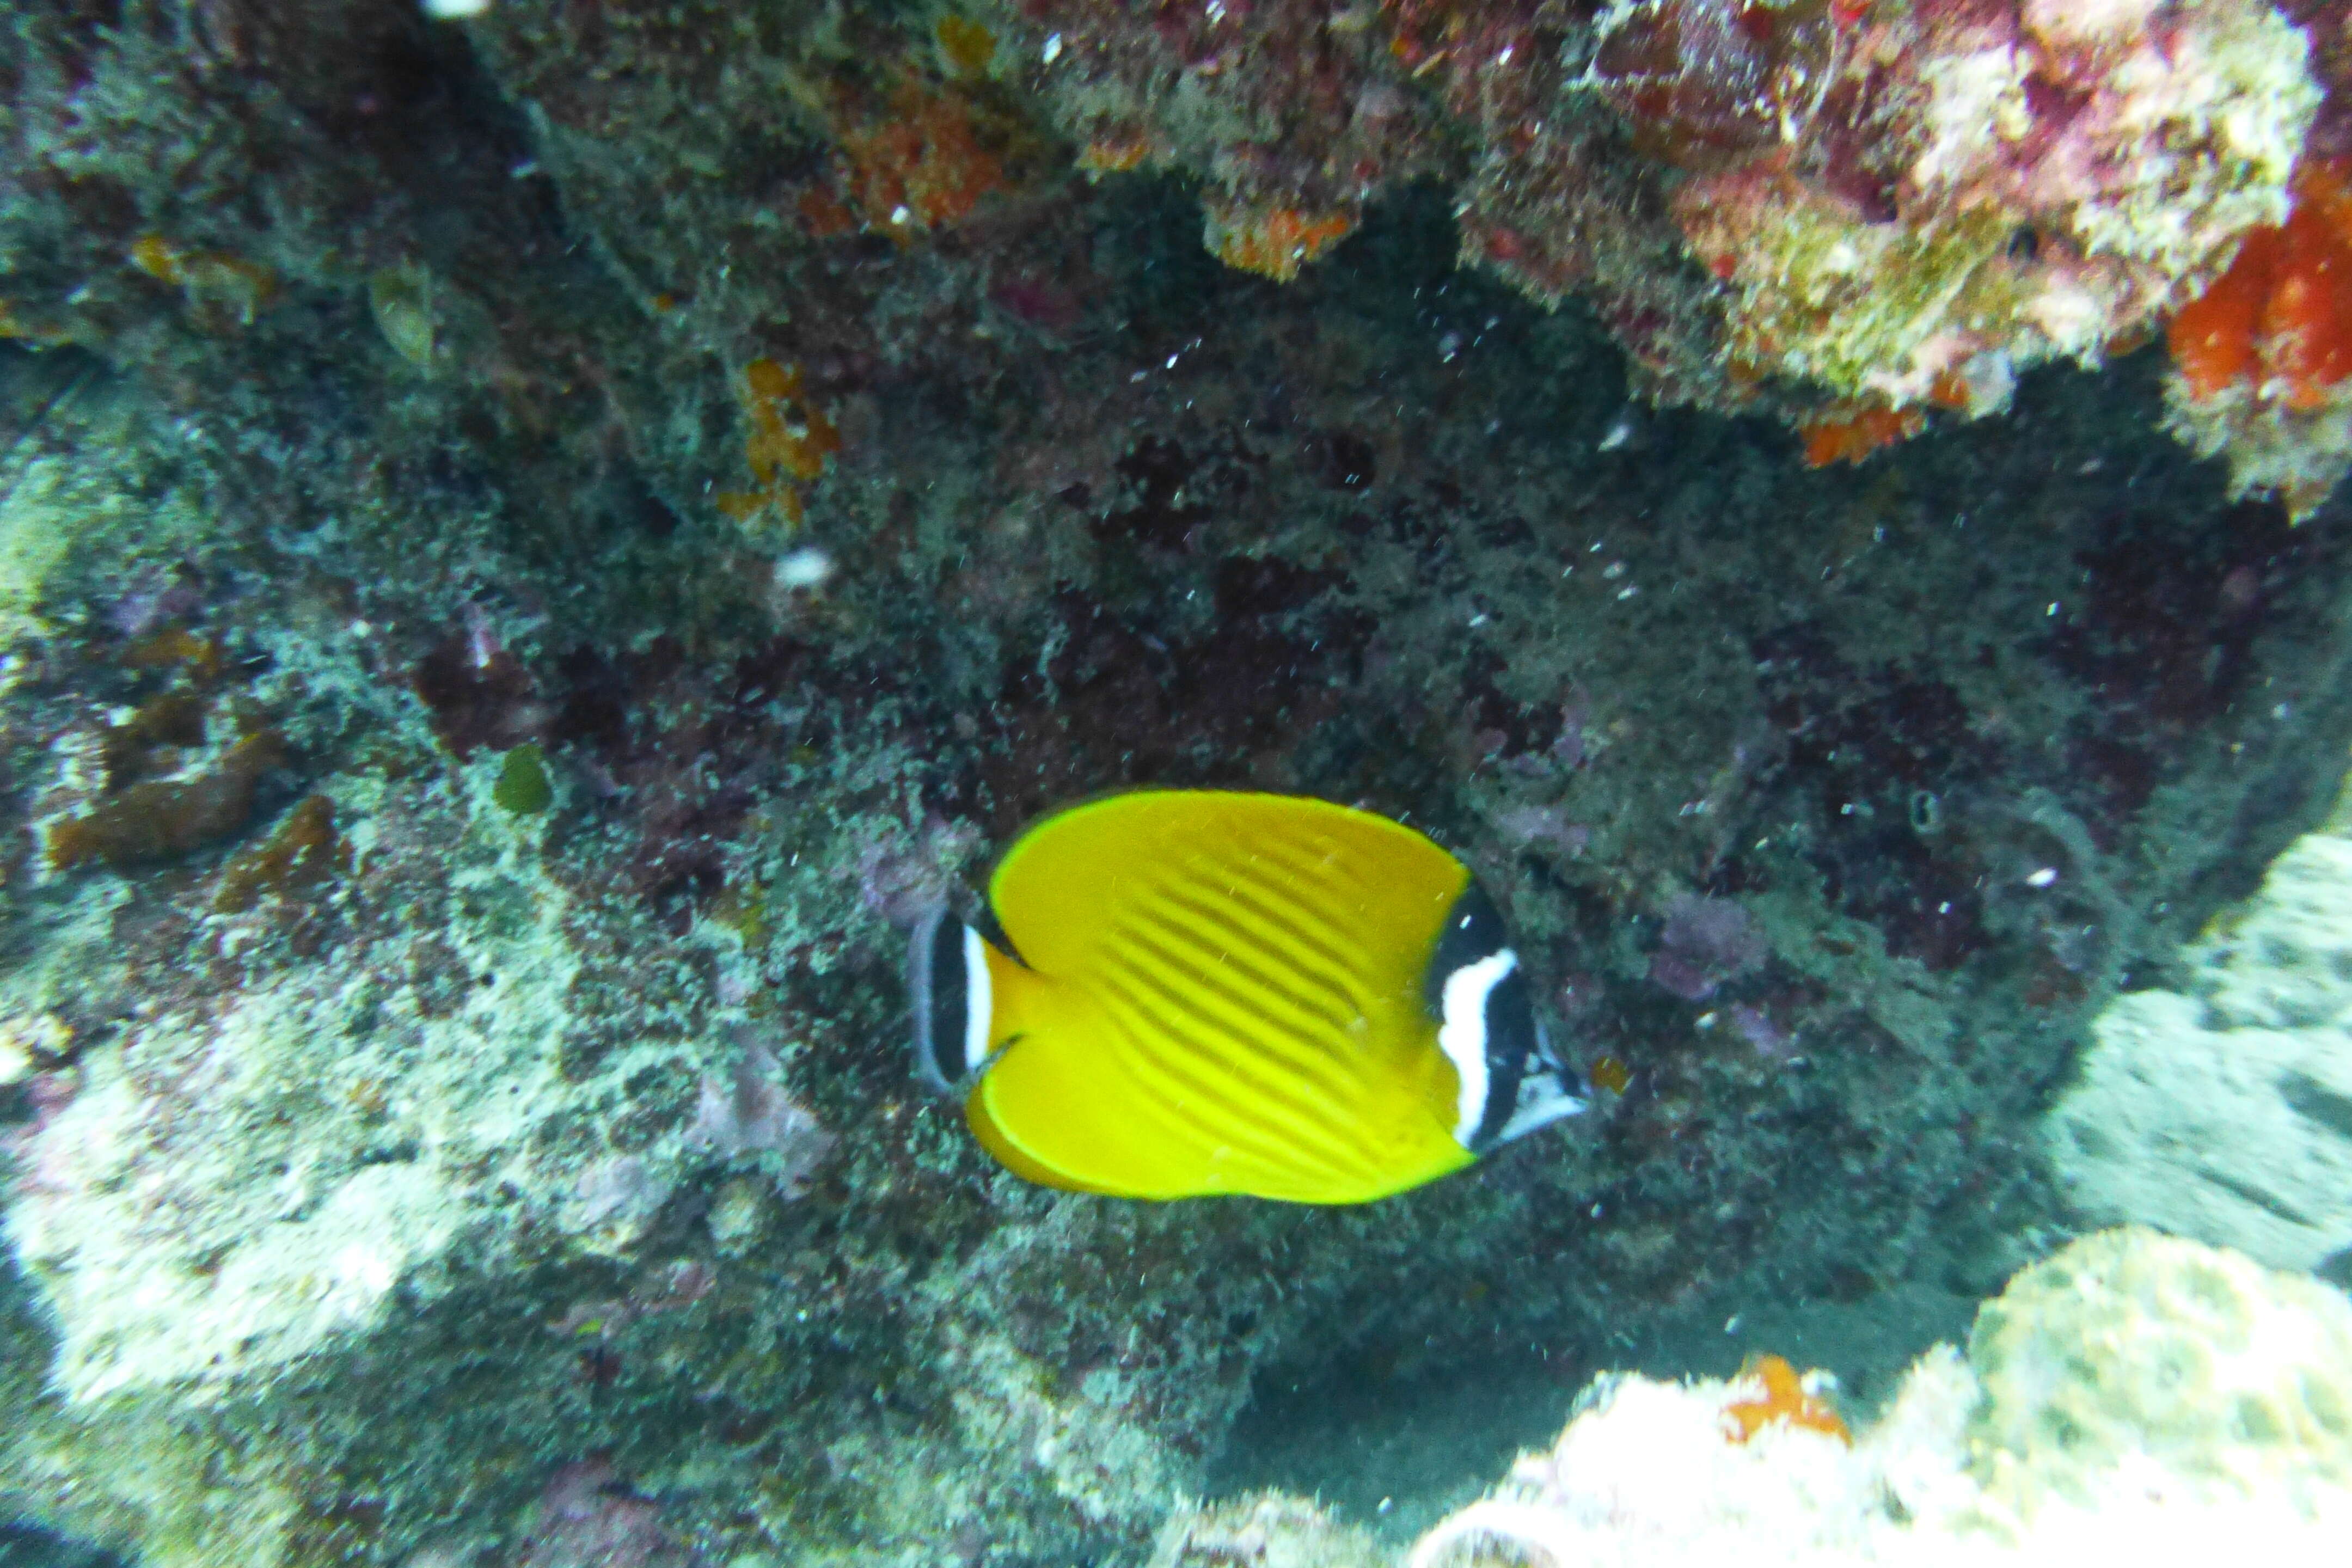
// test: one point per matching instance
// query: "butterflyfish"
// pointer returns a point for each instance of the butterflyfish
(1206, 991)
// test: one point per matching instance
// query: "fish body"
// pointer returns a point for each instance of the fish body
(1203, 992)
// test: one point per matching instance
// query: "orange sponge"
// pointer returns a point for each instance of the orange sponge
(790, 439)
(1785, 1399)
(2280, 320)
(1854, 431)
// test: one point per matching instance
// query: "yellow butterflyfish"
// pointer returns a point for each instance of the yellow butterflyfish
(1203, 992)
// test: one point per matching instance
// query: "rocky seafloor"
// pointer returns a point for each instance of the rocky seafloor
(511, 605)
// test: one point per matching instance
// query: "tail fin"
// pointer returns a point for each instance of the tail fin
(947, 973)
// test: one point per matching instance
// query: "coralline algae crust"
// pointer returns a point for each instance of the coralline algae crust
(2228, 98)
(2177, 149)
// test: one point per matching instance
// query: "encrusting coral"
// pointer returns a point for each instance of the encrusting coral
(1884, 205)
(1846, 213)
(1962, 195)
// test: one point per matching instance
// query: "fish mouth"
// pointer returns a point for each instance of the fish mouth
(1545, 1097)
(1547, 1092)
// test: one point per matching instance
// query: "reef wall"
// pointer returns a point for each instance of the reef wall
(529, 546)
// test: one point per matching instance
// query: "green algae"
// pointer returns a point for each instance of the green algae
(523, 788)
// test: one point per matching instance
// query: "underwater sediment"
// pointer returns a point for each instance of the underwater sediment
(532, 546)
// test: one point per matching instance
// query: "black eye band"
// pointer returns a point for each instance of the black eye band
(1510, 1047)
(1473, 929)
(1474, 934)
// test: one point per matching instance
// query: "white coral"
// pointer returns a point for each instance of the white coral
(2065, 1438)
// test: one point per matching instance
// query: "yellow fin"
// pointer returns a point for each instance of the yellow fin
(1014, 1158)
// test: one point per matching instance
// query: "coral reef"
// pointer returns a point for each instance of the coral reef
(1963, 195)
(453, 872)
(1268, 1528)
(2131, 1352)
(172, 1255)
(1842, 213)
(586, 1518)
(1876, 208)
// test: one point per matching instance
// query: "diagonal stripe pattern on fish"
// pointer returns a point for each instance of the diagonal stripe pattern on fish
(1210, 992)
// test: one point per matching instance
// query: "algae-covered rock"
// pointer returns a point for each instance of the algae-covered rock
(81, 493)
(223, 1192)
(2223, 1110)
